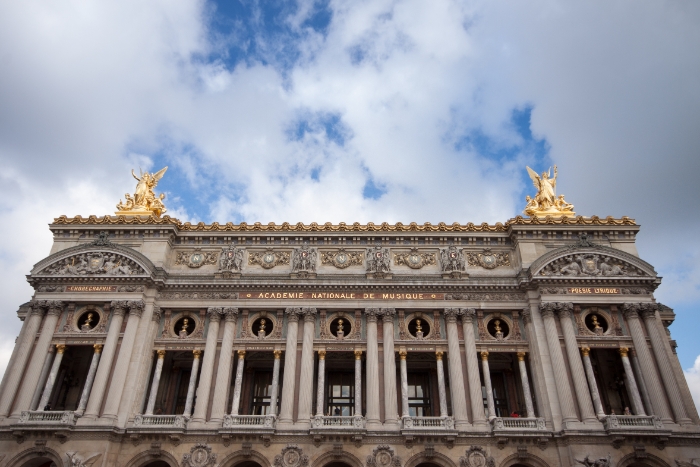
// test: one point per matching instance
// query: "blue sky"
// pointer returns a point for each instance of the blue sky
(381, 110)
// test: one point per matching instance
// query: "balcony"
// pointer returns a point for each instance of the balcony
(48, 418)
(518, 424)
(633, 424)
(159, 423)
(249, 423)
(427, 425)
(339, 423)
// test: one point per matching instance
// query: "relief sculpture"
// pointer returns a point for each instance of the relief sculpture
(97, 263)
(589, 265)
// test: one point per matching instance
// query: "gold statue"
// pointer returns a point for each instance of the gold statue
(144, 202)
(597, 328)
(418, 326)
(340, 325)
(546, 203)
(262, 325)
(497, 327)
(185, 325)
(86, 325)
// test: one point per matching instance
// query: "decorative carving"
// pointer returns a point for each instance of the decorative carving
(196, 258)
(500, 296)
(589, 265)
(476, 456)
(488, 260)
(383, 456)
(516, 326)
(200, 456)
(436, 334)
(231, 259)
(378, 260)
(546, 203)
(199, 295)
(341, 259)
(414, 259)
(451, 260)
(94, 263)
(277, 332)
(291, 456)
(269, 258)
(600, 462)
(403, 330)
(144, 201)
(304, 259)
(324, 334)
(102, 239)
(75, 460)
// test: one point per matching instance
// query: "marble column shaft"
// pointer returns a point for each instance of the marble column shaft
(104, 368)
(373, 420)
(640, 382)
(33, 370)
(20, 344)
(116, 387)
(90, 378)
(391, 415)
(223, 371)
(306, 377)
(442, 391)
(475, 397)
(649, 374)
(459, 396)
(592, 385)
(632, 389)
(192, 386)
(664, 364)
(320, 389)
(274, 387)
(42, 379)
(290, 367)
(204, 387)
(527, 394)
(583, 395)
(404, 384)
(358, 382)
(60, 349)
(487, 383)
(238, 383)
(156, 382)
(566, 401)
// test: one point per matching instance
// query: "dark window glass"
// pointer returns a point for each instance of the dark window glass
(419, 395)
(262, 384)
(341, 394)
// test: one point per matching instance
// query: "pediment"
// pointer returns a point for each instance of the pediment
(594, 261)
(91, 260)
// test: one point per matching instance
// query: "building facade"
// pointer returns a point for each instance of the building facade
(538, 342)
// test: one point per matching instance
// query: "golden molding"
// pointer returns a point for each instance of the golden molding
(342, 227)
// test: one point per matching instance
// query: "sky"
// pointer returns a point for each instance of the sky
(352, 110)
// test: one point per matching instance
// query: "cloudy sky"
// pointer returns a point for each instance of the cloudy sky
(349, 110)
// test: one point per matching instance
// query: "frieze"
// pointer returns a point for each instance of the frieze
(589, 264)
(269, 258)
(341, 258)
(90, 288)
(414, 259)
(198, 295)
(340, 296)
(94, 263)
(488, 259)
(196, 258)
(594, 290)
(504, 296)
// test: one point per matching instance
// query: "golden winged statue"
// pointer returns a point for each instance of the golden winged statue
(546, 202)
(144, 202)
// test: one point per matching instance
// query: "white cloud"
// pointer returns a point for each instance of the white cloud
(692, 376)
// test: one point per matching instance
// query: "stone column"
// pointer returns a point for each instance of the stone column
(320, 389)
(290, 367)
(42, 379)
(60, 349)
(192, 384)
(649, 374)
(223, 372)
(442, 391)
(648, 312)
(459, 397)
(358, 382)
(404, 384)
(90, 379)
(156, 382)
(391, 416)
(204, 387)
(21, 337)
(274, 389)
(583, 395)
(373, 421)
(632, 389)
(33, 370)
(640, 382)
(527, 395)
(238, 384)
(487, 383)
(116, 388)
(475, 397)
(104, 368)
(306, 377)
(562, 381)
(592, 386)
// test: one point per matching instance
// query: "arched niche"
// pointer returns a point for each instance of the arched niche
(244, 459)
(432, 459)
(650, 460)
(331, 459)
(147, 459)
(523, 460)
(36, 458)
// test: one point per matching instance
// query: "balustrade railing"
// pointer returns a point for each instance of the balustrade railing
(172, 421)
(250, 421)
(433, 423)
(48, 417)
(354, 422)
(518, 423)
(621, 422)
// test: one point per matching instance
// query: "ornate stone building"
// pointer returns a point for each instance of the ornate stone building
(538, 342)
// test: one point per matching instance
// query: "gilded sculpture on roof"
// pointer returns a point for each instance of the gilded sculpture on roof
(144, 202)
(546, 202)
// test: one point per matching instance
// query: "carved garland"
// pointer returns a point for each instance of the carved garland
(269, 258)
(488, 260)
(196, 258)
(414, 259)
(342, 259)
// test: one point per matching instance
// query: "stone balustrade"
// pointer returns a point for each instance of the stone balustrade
(35, 417)
(428, 423)
(518, 424)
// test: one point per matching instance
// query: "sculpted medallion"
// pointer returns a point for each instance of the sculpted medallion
(488, 260)
(200, 456)
(414, 259)
(196, 258)
(269, 258)
(476, 457)
(383, 456)
(342, 259)
(291, 456)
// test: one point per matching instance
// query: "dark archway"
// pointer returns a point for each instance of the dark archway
(427, 464)
(157, 464)
(248, 464)
(337, 464)
(40, 462)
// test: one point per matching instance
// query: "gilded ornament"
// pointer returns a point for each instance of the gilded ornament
(196, 258)
(269, 258)
(546, 202)
(488, 259)
(414, 259)
(341, 258)
(144, 202)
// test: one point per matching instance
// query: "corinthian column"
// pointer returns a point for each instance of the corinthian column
(119, 308)
(238, 384)
(526, 385)
(487, 383)
(200, 408)
(274, 389)
(585, 351)
(90, 379)
(442, 392)
(290, 368)
(391, 416)
(475, 397)
(156, 382)
(648, 311)
(631, 383)
(321, 382)
(404, 384)
(583, 396)
(358, 382)
(60, 349)
(562, 382)
(649, 374)
(42, 379)
(33, 371)
(373, 421)
(306, 377)
(223, 372)
(192, 384)
(12, 363)
(459, 398)
(640, 382)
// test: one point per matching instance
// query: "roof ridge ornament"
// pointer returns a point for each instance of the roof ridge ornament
(546, 202)
(144, 202)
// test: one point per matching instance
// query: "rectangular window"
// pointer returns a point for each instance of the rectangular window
(341, 394)
(262, 386)
(419, 394)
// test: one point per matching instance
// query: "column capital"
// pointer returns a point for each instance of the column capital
(387, 314)
(98, 348)
(60, 348)
(521, 356)
(309, 314)
(157, 314)
(36, 309)
(402, 354)
(527, 318)
(136, 307)
(547, 309)
(438, 355)
(161, 354)
(484, 355)
(630, 310)
(54, 307)
(451, 314)
(241, 354)
(277, 354)
(214, 313)
(292, 313)
(647, 310)
(585, 351)
(467, 314)
(119, 307)
(321, 354)
(372, 314)
(358, 354)
(197, 353)
(623, 351)
(230, 313)
(564, 309)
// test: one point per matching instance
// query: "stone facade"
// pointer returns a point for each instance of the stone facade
(537, 342)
